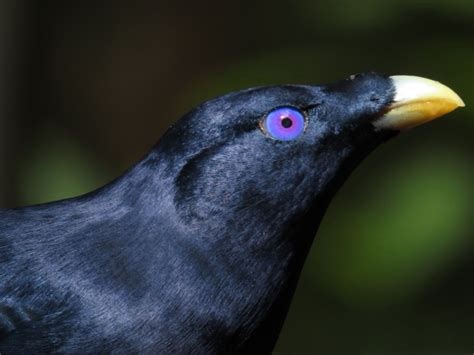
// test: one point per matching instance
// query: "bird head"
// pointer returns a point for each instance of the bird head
(259, 166)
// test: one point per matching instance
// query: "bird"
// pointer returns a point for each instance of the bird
(198, 247)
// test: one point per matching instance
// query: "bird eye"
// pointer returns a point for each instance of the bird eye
(284, 123)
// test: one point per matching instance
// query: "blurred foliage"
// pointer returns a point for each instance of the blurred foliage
(58, 169)
(402, 232)
(391, 269)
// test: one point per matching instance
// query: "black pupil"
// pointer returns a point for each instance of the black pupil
(286, 122)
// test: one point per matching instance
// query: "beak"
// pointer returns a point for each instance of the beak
(417, 101)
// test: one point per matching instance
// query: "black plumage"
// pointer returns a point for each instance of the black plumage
(197, 248)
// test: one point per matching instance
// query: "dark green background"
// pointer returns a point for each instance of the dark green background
(89, 86)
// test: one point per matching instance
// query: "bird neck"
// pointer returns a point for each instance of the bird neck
(242, 267)
(235, 258)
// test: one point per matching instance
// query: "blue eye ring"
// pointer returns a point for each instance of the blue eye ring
(284, 123)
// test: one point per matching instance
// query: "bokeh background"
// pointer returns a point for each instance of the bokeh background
(87, 87)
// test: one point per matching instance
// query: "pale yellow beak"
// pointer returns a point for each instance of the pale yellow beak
(417, 101)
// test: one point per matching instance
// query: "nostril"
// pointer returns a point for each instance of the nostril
(375, 98)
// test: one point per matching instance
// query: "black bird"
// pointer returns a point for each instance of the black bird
(198, 248)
